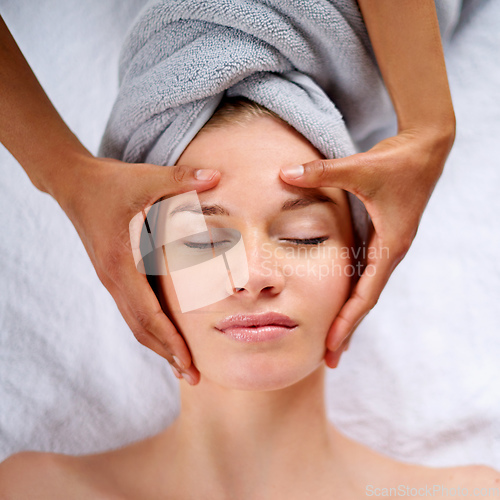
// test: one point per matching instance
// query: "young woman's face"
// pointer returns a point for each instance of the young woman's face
(297, 244)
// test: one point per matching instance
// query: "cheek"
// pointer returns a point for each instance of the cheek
(322, 287)
(191, 325)
(168, 299)
(170, 305)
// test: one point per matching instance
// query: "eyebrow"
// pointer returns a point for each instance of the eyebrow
(291, 204)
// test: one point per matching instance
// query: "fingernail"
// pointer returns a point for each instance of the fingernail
(189, 378)
(204, 174)
(293, 171)
(334, 364)
(175, 371)
(179, 363)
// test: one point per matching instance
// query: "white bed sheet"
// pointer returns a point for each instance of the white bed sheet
(420, 381)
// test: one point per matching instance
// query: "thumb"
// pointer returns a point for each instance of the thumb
(153, 182)
(344, 173)
(178, 179)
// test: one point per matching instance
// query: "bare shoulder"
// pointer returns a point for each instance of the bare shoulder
(53, 476)
(479, 480)
(410, 479)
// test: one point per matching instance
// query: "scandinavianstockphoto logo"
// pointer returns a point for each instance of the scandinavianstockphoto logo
(173, 238)
(321, 261)
(207, 265)
(432, 490)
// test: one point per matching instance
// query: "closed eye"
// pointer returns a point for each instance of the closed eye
(204, 246)
(306, 241)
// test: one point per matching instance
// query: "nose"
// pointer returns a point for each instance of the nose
(265, 276)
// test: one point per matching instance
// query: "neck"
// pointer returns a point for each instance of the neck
(240, 439)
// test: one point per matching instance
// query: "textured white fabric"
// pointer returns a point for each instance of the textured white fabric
(419, 381)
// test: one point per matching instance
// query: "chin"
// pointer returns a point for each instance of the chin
(259, 372)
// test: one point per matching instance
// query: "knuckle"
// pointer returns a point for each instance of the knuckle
(405, 243)
(111, 263)
(369, 303)
(401, 247)
(141, 336)
(322, 169)
(399, 244)
(180, 173)
(144, 319)
(148, 323)
(372, 302)
(104, 278)
(123, 238)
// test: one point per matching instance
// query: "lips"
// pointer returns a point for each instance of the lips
(256, 328)
(246, 321)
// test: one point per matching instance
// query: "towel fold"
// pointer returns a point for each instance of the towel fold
(295, 58)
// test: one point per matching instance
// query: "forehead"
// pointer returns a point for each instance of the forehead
(249, 158)
(262, 144)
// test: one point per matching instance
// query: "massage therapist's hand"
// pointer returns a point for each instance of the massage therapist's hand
(394, 180)
(100, 196)
(396, 177)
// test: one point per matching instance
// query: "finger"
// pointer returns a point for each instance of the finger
(191, 374)
(179, 179)
(349, 173)
(363, 298)
(145, 314)
(176, 372)
(188, 376)
(146, 338)
(332, 358)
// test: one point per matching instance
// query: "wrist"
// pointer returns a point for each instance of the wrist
(67, 171)
(51, 158)
(439, 132)
(439, 120)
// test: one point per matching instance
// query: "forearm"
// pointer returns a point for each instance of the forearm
(407, 44)
(30, 127)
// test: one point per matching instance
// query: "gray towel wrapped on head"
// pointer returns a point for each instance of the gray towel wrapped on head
(294, 57)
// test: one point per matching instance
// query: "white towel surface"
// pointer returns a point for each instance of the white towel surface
(420, 380)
